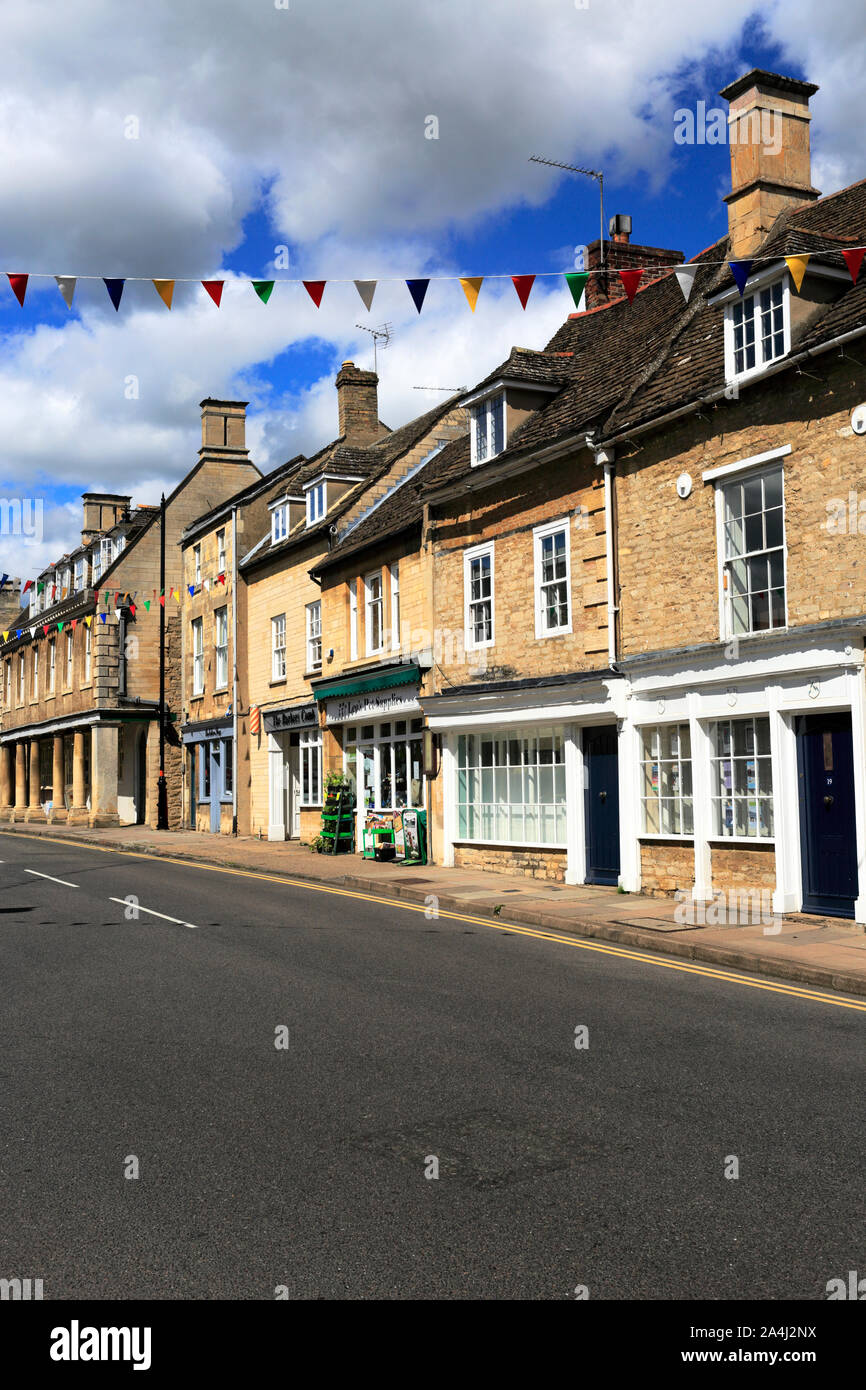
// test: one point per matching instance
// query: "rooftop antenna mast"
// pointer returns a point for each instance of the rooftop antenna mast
(590, 174)
(379, 335)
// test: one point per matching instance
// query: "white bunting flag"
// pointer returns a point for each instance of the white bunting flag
(686, 278)
(66, 286)
(366, 289)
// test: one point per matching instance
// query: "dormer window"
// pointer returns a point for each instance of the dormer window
(119, 543)
(757, 330)
(279, 524)
(488, 428)
(316, 503)
(80, 573)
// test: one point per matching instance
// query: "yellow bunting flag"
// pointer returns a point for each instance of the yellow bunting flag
(471, 288)
(165, 290)
(175, 593)
(89, 619)
(797, 266)
(5, 636)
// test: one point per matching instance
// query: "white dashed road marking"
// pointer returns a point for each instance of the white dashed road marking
(124, 902)
(37, 874)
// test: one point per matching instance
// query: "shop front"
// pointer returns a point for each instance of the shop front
(209, 763)
(294, 771)
(376, 726)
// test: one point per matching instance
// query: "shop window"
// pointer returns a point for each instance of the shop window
(666, 781)
(384, 764)
(742, 779)
(511, 788)
(311, 767)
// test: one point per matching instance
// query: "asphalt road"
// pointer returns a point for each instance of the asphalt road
(408, 1039)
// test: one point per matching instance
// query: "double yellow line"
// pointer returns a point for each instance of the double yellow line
(601, 948)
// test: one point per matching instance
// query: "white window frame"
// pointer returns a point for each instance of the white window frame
(88, 649)
(221, 648)
(279, 524)
(371, 604)
(310, 759)
(8, 682)
(221, 550)
(314, 635)
(753, 293)
(80, 580)
(52, 665)
(34, 675)
(278, 647)
(477, 552)
(484, 410)
(196, 560)
(317, 502)
(69, 658)
(395, 607)
(647, 759)
(720, 477)
(22, 686)
(539, 535)
(198, 656)
(470, 777)
(353, 620)
(717, 835)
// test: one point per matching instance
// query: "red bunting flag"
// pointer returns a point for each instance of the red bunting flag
(45, 629)
(853, 260)
(28, 585)
(74, 624)
(630, 281)
(214, 289)
(162, 600)
(19, 286)
(315, 289)
(523, 284)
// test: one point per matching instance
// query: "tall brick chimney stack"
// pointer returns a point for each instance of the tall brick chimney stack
(621, 254)
(358, 403)
(768, 131)
(223, 430)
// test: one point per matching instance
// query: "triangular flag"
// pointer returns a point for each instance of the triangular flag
(162, 600)
(221, 579)
(102, 617)
(147, 604)
(176, 594)
(191, 588)
(797, 266)
(630, 281)
(18, 632)
(39, 587)
(66, 286)
(577, 284)
(28, 585)
(117, 598)
(117, 614)
(471, 288)
(853, 260)
(740, 271)
(132, 609)
(315, 289)
(366, 289)
(74, 624)
(686, 279)
(206, 586)
(89, 619)
(19, 286)
(5, 636)
(165, 290)
(44, 630)
(263, 289)
(59, 627)
(115, 290)
(33, 632)
(214, 289)
(523, 284)
(418, 289)
(3, 579)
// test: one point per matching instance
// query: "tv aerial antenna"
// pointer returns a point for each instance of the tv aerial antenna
(590, 174)
(382, 334)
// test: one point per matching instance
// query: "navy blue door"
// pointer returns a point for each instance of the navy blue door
(601, 801)
(826, 777)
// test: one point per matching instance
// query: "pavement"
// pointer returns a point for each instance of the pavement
(219, 1085)
(826, 952)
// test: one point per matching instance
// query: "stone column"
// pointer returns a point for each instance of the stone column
(58, 809)
(34, 810)
(7, 795)
(103, 775)
(78, 813)
(20, 780)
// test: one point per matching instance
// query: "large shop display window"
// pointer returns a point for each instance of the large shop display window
(384, 763)
(511, 788)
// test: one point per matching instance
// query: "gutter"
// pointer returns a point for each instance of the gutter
(485, 478)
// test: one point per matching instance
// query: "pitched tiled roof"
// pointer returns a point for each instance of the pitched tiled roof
(548, 368)
(367, 463)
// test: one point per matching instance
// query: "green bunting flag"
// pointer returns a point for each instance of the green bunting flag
(263, 289)
(577, 284)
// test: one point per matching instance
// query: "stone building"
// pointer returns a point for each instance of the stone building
(79, 739)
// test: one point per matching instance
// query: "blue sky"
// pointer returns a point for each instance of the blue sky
(262, 128)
